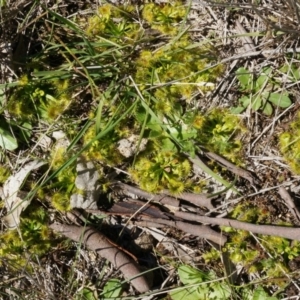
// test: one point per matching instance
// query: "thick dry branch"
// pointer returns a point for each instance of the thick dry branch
(94, 240)
(285, 232)
(201, 200)
(198, 230)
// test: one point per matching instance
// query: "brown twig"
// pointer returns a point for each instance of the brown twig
(201, 200)
(197, 230)
(231, 167)
(96, 241)
(163, 199)
(289, 202)
(285, 232)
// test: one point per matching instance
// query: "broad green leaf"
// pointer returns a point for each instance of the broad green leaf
(245, 101)
(244, 77)
(220, 291)
(23, 130)
(281, 100)
(261, 81)
(256, 104)
(268, 109)
(112, 288)
(237, 110)
(7, 140)
(263, 78)
(189, 275)
(295, 73)
(191, 293)
(260, 294)
(86, 294)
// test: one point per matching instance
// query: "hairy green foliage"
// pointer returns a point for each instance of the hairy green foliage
(164, 18)
(289, 144)
(220, 131)
(243, 249)
(161, 170)
(39, 99)
(35, 239)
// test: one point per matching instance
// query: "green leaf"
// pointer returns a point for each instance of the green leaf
(7, 141)
(265, 76)
(245, 101)
(221, 291)
(260, 294)
(189, 275)
(86, 294)
(296, 73)
(244, 77)
(237, 110)
(189, 294)
(22, 130)
(112, 288)
(268, 109)
(281, 100)
(256, 104)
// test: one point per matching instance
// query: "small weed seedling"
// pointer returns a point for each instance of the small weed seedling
(260, 92)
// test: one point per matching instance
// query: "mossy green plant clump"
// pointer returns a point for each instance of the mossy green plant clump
(105, 149)
(162, 170)
(61, 187)
(243, 248)
(289, 144)
(220, 132)
(165, 17)
(115, 23)
(178, 71)
(33, 237)
(34, 99)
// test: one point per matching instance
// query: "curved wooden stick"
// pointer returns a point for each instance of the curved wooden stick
(94, 240)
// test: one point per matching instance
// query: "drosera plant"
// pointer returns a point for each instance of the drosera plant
(260, 91)
(34, 99)
(221, 132)
(30, 102)
(33, 238)
(266, 255)
(162, 170)
(289, 144)
(149, 99)
(165, 18)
